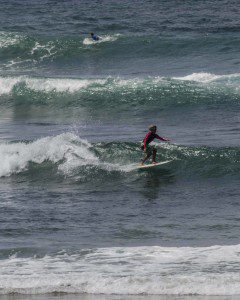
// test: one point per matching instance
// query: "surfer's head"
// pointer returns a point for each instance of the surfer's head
(92, 34)
(152, 128)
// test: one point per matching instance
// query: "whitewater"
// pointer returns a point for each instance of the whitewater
(140, 270)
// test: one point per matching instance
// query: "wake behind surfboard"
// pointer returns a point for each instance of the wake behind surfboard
(147, 166)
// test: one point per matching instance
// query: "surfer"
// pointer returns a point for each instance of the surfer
(94, 37)
(151, 149)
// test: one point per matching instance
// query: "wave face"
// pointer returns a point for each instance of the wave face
(196, 88)
(126, 271)
(71, 156)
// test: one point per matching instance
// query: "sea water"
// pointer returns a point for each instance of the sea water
(77, 219)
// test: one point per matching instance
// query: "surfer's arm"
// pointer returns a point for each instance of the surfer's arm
(161, 138)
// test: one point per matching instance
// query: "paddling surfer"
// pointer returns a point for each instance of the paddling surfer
(94, 37)
(151, 150)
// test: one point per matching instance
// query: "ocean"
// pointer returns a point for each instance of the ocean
(78, 220)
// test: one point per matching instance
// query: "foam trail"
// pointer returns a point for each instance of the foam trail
(127, 270)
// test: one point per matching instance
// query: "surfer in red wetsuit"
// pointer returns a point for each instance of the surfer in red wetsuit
(151, 149)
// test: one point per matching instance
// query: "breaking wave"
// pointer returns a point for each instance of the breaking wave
(70, 155)
(192, 89)
(150, 270)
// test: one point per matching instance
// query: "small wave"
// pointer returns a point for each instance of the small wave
(16, 157)
(149, 270)
(107, 84)
(67, 151)
(27, 51)
(29, 48)
(7, 84)
(208, 77)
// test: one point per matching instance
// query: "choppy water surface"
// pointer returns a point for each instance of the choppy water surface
(76, 215)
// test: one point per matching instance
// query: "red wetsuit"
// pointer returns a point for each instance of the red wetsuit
(150, 137)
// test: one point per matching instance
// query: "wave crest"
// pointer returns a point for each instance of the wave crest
(73, 156)
(16, 157)
(195, 88)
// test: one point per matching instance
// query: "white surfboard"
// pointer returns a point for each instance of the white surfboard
(154, 165)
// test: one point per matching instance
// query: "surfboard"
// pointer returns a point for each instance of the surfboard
(154, 165)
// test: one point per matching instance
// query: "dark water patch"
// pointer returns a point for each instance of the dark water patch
(136, 233)
(128, 15)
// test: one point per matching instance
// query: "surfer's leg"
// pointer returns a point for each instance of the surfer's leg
(145, 158)
(154, 154)
(147, 155)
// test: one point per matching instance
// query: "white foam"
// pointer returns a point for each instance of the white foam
(9, 39)
(103, 39)
(61, 85)
(47, 84)
(48, 49)
(208, 77)
(7, 84)
(127, 270)
(68, 149)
